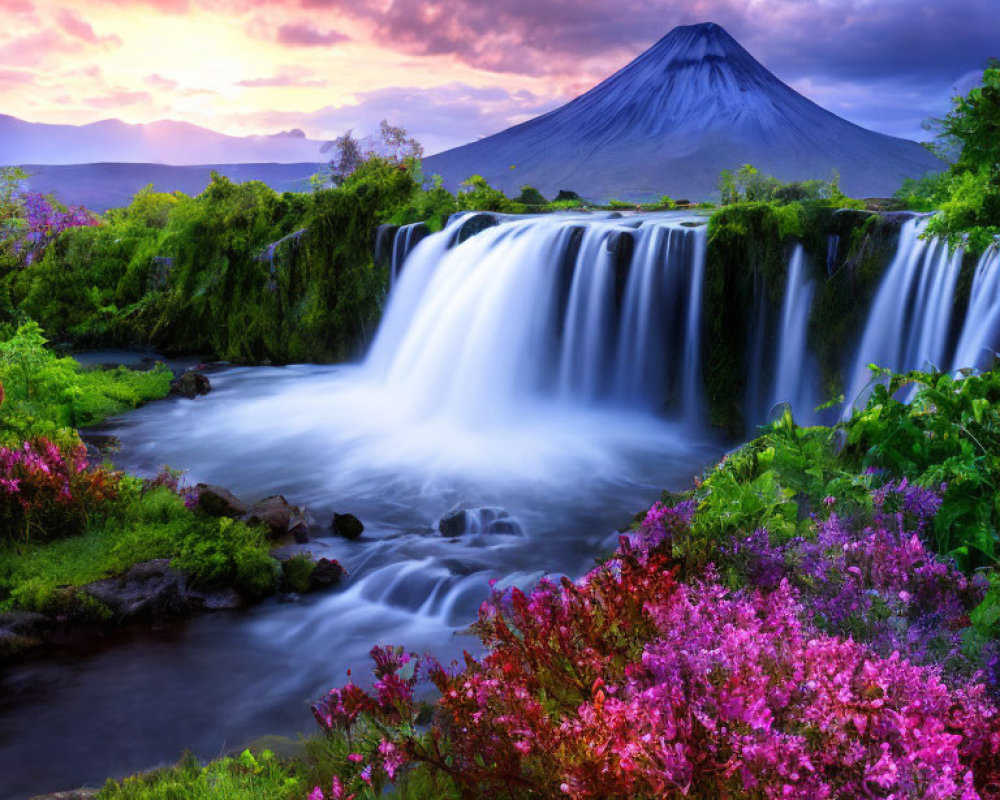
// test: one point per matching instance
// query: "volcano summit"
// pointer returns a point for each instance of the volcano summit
(692, 105)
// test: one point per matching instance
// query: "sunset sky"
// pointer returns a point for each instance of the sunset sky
(454, 70)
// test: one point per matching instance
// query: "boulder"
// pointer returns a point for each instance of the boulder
(217, 501)
(347, 525)
(471, 225)
(487, 520)
(325, 574)
(148, 591)
(280, 517)
(191, 384)
(20, 631)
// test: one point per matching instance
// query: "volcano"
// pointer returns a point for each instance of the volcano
(692, 105)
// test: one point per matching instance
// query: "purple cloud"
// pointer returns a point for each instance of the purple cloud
(303, 35)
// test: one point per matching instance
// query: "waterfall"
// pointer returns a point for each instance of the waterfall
(981, 333)
(405, 240)
(909, 322)
(576, 309)
(796, 375)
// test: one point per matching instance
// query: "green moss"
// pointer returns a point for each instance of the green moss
(296, 573)
(146, 525)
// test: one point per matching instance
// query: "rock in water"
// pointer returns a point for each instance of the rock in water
(487, 520)
(191, 384)
(325, 574)
(347, 525)
(692, 105)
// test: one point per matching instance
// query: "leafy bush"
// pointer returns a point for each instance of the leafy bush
(968, 194)
(48, 396)
(948, 436)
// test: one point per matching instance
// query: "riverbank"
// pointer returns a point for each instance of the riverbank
(810, 557)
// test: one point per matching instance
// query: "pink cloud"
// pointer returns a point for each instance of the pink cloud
(303, 35)
(119, 97)
(76, 26)
(157, 81)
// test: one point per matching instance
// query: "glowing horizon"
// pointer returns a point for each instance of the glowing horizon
(440, 68)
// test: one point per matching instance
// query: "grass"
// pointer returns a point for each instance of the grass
(147, 525)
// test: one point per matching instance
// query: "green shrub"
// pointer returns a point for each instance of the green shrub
(296, 572)
(49, 396)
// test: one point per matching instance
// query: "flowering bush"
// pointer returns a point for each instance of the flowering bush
(630, 683)
(47, 492)
(44, 220)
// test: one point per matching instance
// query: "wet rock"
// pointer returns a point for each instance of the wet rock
(347, 525)
(217, 501)
(20, 631)
(218, 600)
(488, 520)
(101, 444)
(191, 384)
(148, 591)
(290, 597)
(73, 794)
(280, 517)
(325, 574)
(471, 225)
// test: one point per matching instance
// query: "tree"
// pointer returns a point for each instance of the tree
(392, 144)
(973, 126)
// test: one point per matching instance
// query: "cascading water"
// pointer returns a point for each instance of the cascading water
(980, 339)
(548, 307)
(909, 323)
(796, 375)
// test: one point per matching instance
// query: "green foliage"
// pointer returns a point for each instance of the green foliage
(144, 525)
(433, 206)
(947, 436)
(244, 777)
(296, 572)
(968, 195)
(477, 195)
(223, 552)
(749, 185)
(48, 395)
(530, 196)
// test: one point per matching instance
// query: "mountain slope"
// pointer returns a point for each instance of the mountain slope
(164, 142)
(692, 105)
(103, 186)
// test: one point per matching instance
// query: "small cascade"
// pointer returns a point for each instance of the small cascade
(406, 239)
(980, 337)
(832, 251)
(796, 374)
(909, 322)
(580, 309)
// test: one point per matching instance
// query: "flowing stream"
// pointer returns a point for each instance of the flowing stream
(546, 366)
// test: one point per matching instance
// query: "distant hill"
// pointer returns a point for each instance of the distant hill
(103, 186)
(166, 142)
(692, 105)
